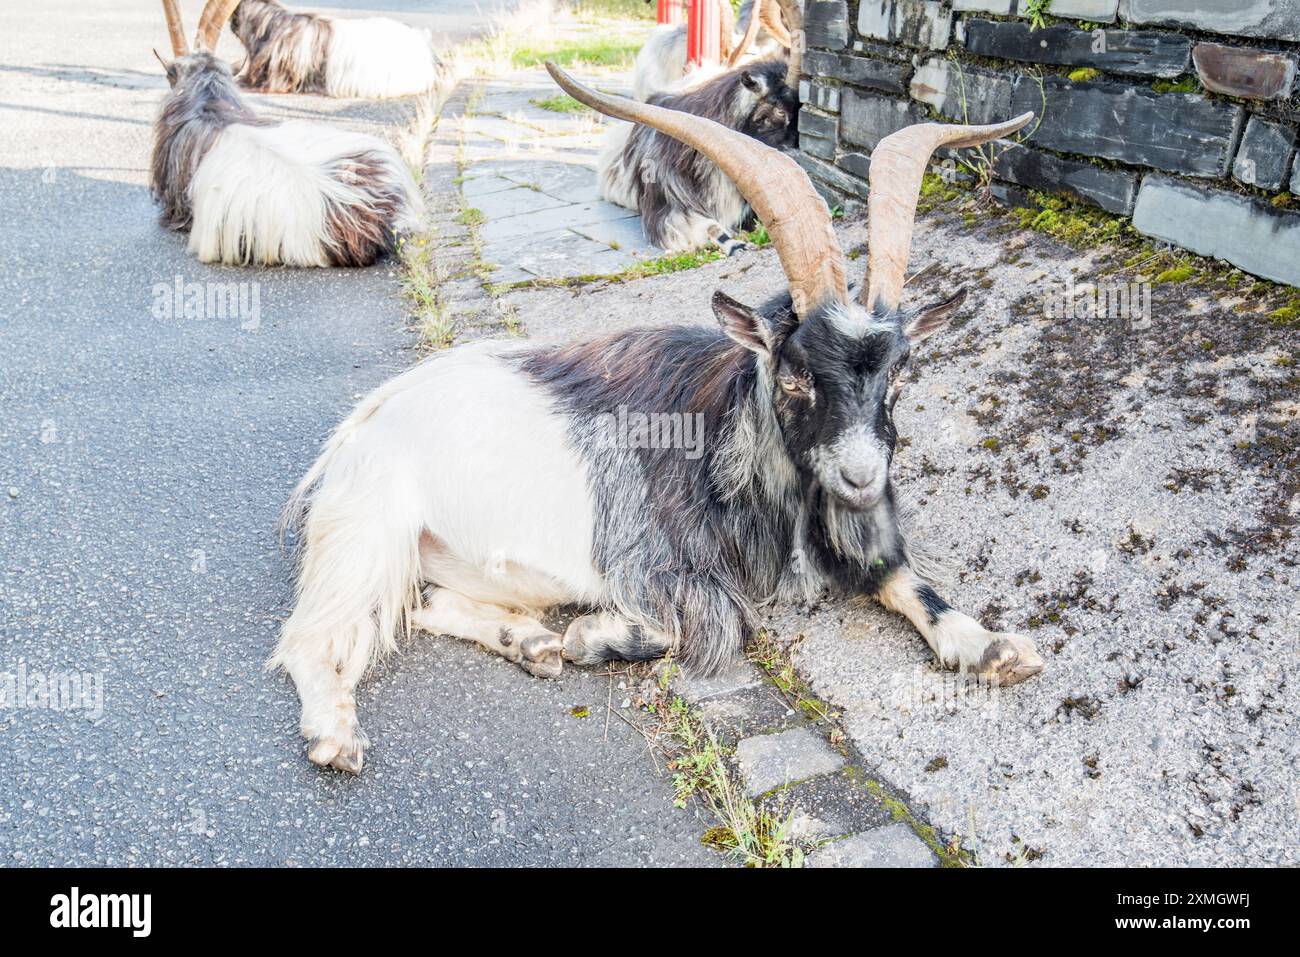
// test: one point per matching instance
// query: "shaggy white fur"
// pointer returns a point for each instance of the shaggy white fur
(378, 57)
(260, 195)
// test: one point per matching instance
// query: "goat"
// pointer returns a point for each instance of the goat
(253, 191)
(684, 199)
(500, 475)
(289, 52)
(661, 64)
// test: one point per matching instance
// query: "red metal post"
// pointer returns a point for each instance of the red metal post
(669, 11)
(702, 36)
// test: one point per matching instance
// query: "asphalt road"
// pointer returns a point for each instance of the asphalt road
(143, 461)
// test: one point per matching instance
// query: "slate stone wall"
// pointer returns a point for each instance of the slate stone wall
(1183, 114)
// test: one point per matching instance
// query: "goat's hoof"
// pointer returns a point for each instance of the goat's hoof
(1008, 659)
(342, 747)
(542, 655)
(736, 246)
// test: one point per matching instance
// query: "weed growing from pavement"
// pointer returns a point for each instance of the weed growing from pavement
(563, 103)
(698, 762)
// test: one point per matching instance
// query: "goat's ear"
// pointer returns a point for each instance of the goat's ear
(743, 324)
(755, 83)
(932, 318)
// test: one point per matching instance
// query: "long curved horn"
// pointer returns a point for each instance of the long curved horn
(774, 185)
(211, 21)
(898, 164)
(793, 15)
(771, 17)
(175, 29)
(726, 29)
(751, 33)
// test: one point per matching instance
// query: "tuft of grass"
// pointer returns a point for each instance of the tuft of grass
(1036, 11)
(756, 836)
(563, 103)
(469, 216)
(616, 52)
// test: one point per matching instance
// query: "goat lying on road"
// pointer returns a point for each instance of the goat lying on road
(495, 473)
(253, 191)
(292, 52)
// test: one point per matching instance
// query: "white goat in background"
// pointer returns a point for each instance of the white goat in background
(372, 58)
(661, 65)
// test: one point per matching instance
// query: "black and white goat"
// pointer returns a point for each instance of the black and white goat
(255, 192)
(499, 476)
(292, 52)
(684, 198)
(661, 64)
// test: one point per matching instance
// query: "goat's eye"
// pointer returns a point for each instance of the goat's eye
(794, 384)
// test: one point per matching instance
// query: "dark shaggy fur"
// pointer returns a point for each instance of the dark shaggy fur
(671, 176)
(690, 545)
(203, 101)
(272, 36)
(360, 234)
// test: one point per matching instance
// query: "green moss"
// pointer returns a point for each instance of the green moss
(1186, 84)
(991, 444)
(580, 711)
(1083, 74)
(1286, 316)
(1180, 273)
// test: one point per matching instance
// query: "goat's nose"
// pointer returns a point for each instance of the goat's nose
(857, 476)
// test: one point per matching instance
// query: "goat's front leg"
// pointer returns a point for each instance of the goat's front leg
(957, 640)
(518, 638)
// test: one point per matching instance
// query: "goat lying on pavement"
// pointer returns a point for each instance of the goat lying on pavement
(253, 191)
(495, 473)
(292, 52)
(684, 198)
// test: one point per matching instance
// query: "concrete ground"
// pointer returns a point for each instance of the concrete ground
(143, 462)
(1126, 496)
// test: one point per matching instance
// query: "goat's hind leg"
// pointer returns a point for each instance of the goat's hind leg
(958, 640)
(603, 636)
(518, 638)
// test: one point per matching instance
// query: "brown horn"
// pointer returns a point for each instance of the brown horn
(794, 40)
(775, 185)
(751, 33)
(898, 164)
(771, 17)
(211, 22)
(175, 29)
(726, 28)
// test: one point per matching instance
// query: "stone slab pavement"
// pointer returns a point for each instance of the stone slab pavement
(529, 172)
